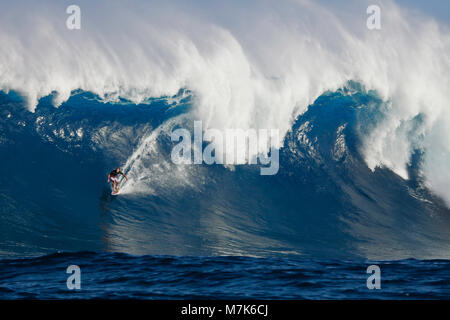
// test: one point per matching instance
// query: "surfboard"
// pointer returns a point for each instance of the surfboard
(114, 193)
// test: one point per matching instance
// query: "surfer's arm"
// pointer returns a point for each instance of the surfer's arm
(124, 175)
(109, 177)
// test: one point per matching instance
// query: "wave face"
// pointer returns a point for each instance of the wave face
(324, 202)
(363, 117)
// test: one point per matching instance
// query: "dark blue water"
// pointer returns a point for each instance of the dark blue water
(210, 231)
(119, 276)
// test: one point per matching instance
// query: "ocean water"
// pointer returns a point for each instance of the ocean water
(363, 152)
(236, 235)
(121, 276)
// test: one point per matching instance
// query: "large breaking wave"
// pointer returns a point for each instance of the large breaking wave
(363, 115)
(324, 201)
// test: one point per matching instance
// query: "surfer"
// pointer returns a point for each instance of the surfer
(114, 177)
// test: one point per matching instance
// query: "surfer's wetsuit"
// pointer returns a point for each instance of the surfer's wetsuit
(113, 175)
